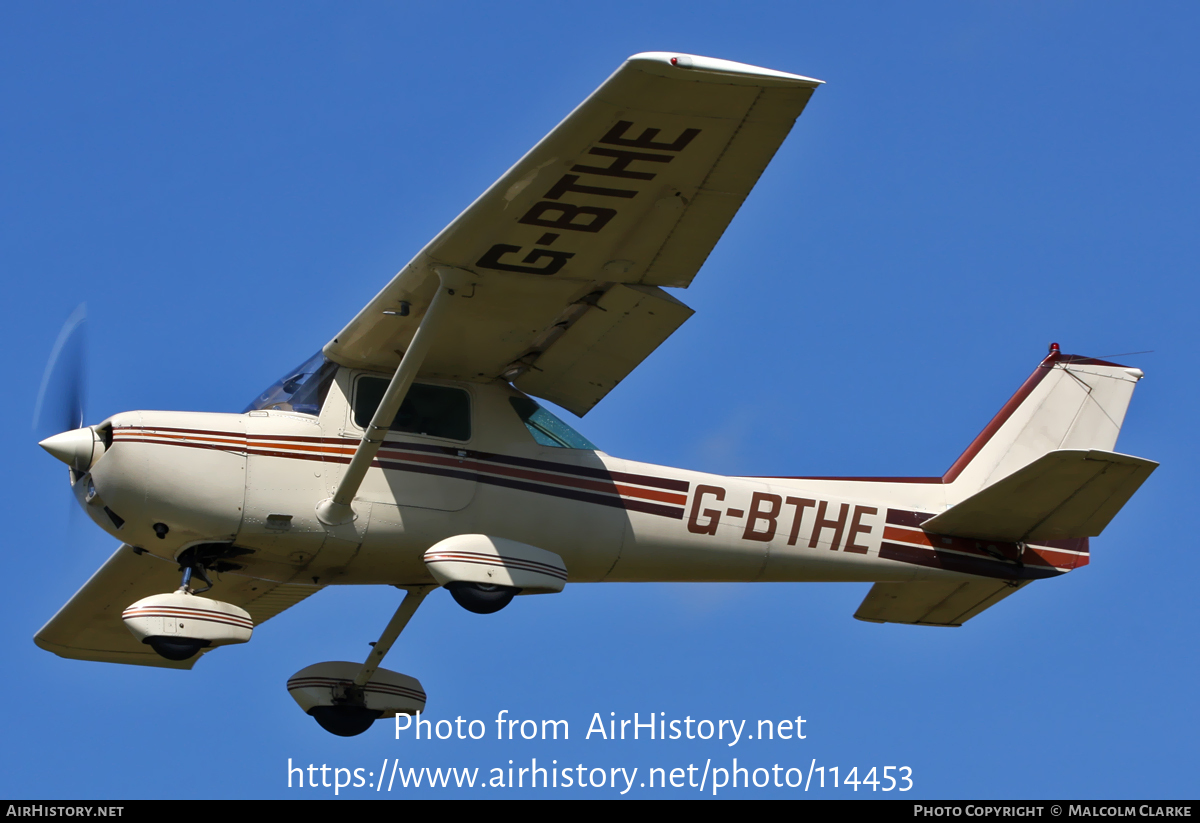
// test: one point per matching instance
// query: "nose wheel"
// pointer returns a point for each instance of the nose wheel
(180, 625)
(183, 648)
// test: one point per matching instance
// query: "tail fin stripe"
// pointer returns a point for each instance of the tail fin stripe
(1001, 417)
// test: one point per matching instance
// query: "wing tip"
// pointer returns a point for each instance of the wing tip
(678, 61)
(127, 658)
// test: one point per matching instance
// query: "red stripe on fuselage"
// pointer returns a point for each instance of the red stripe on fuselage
(471, 465)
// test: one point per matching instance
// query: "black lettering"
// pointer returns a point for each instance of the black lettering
(800, 504)
(770, 514)
(822, 523)
(646, 141)
(567, 216)
(568, 183)
(491, 260)
(856, 527)
(620, 165)
(713, 516)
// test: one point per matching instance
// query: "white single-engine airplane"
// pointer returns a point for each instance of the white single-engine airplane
(409, 452)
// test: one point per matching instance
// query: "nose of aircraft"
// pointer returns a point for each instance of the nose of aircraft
(73, 447)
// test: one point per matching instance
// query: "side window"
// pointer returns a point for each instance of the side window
(547, 429)
(435, 411)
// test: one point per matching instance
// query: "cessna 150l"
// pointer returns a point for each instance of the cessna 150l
(409, 452)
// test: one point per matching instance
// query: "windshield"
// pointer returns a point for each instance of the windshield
(302, 389)
(547, 429)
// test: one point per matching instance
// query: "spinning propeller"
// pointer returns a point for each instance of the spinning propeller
(59, 413)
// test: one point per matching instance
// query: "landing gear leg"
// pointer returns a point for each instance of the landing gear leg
(413, 597)
(190, 568)
(176, 647)
(348, 713)
(179, 625)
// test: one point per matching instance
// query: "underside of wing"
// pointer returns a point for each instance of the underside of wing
(628, 194)
(89, 626)
(933, 603)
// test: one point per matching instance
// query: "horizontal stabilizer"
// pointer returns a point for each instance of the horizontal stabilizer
(1064, 494)
(933, 603)
(89, 626)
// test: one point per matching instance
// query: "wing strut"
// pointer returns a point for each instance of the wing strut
(336, 510)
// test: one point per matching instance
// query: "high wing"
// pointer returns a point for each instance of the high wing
(89, 626)
(568, 251)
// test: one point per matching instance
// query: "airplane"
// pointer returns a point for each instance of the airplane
(410, 450)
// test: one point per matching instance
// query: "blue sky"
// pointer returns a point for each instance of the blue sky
(227, 184)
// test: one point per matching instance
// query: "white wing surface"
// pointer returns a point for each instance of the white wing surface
(568, 251)
(934, 602)
(1063, 494)
(89, 626)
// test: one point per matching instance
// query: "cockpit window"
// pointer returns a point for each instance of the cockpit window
(303, 389)
(434, 411)
(547, 429)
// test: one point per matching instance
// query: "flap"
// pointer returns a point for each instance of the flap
(1067, 493)
(89, 626)
(933, 603)
(634, 187)
(596, 353)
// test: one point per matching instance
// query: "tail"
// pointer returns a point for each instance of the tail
(1027, 493)
(1069, 402)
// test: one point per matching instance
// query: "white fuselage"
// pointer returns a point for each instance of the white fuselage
(253, 481)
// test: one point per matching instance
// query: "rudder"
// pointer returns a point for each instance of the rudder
(1069, 402)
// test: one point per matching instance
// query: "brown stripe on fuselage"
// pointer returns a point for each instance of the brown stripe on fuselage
(345, 446)
(558, 491)
(576, 482)
(900, 517)
(855, 479)
(493, 480)
(1035, 555)
(482, 473)
(1070, 553)
(950, 561)
(548, 465)
(236, 449)
(976, 556)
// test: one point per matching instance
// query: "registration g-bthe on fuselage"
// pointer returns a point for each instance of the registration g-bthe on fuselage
(411, 451)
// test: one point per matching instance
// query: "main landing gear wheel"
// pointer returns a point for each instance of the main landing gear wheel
(481, 598)
(346, 698)
(175, 648)
(345, 720)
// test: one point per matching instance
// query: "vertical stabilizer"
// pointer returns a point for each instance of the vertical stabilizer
(1069, 402)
